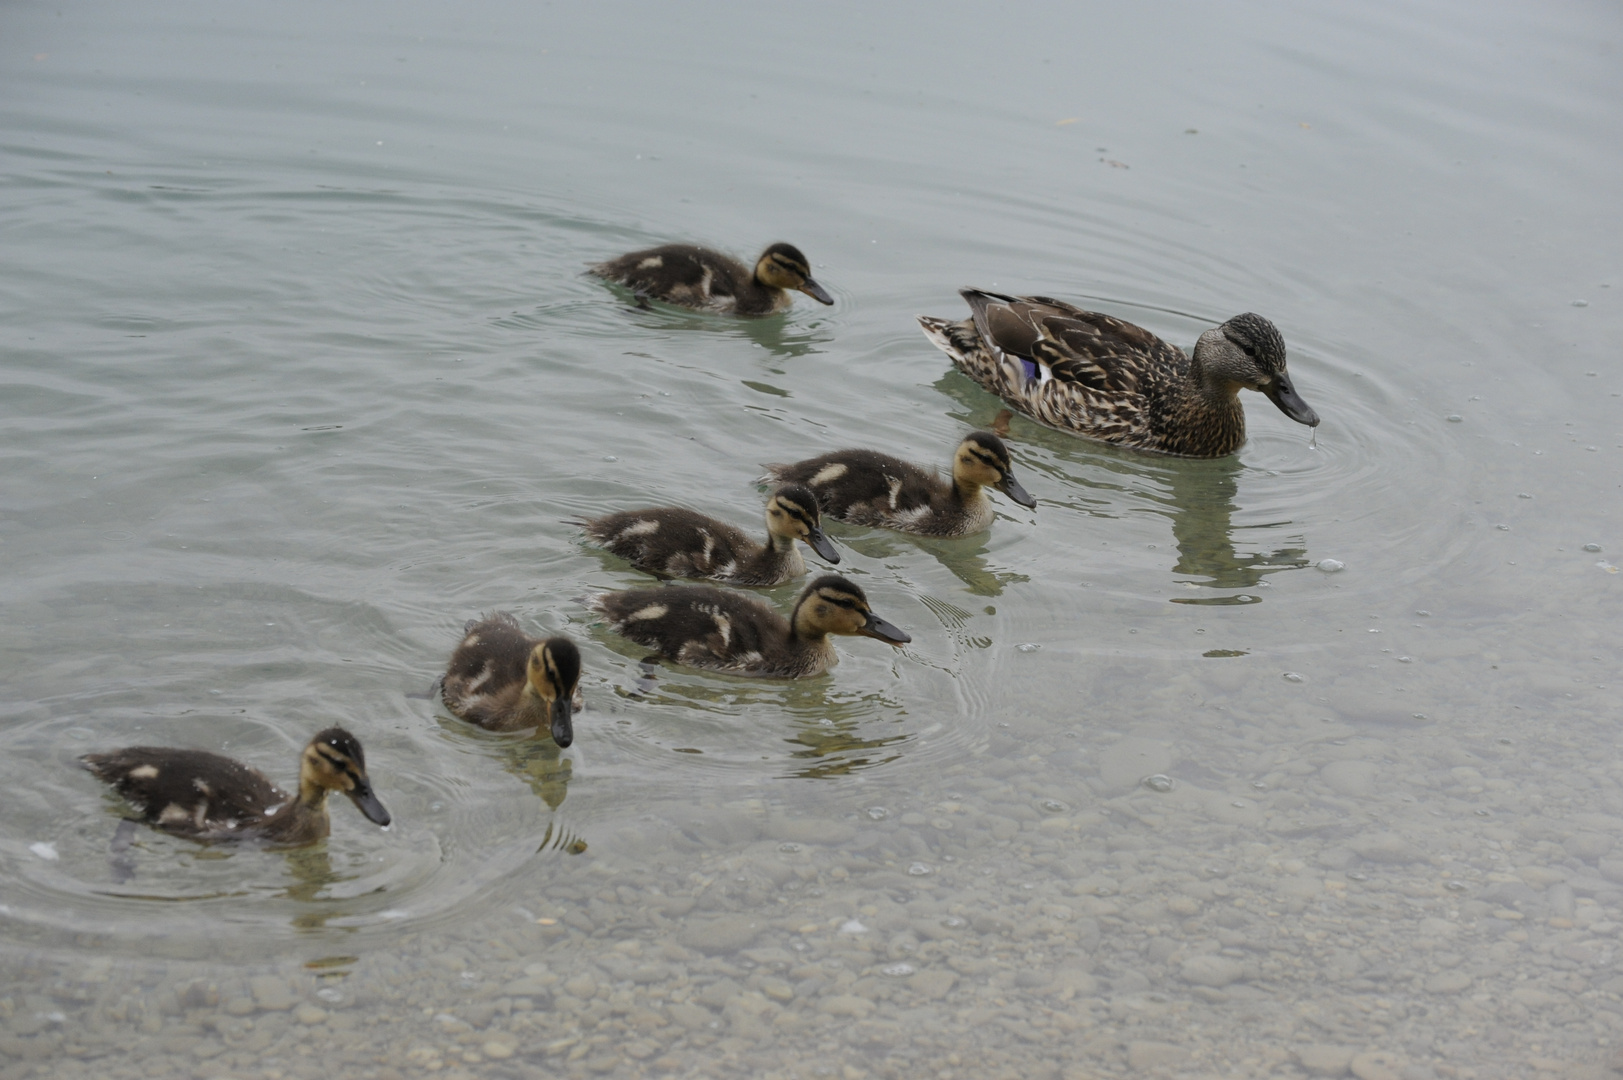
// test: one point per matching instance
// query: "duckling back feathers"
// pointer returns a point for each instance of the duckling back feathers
(492, 676)
(698, 277)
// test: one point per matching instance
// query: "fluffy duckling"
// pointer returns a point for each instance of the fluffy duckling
(712, 628)
(698, 277)
(502, 679)
(669, 541)
(869, 488)
(205, 796)
(1102, 378)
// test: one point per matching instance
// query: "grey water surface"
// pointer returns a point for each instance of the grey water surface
(1304, 761)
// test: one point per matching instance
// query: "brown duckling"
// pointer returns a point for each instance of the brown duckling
(1102, 378)
(705, 627)
(864, 487)
(205, 796)
(670, 541)
(698, 277)
(502, 679)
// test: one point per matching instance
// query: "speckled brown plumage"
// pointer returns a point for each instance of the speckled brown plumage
(712, 628)
(1102, 378)
(865, 487)
(698, 277)
(206, 796)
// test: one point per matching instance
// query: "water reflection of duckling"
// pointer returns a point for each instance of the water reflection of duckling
(1102, 378)
(868, 488)
(712, 628)
(698, 277)
(670, 541)
(205, 796)
(502, 679)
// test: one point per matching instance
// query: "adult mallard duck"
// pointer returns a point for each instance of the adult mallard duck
(705, 627)
(502, 679)
(670, 541)
(1102, 378)
(205, 796)
(698, 277)
(865, 487)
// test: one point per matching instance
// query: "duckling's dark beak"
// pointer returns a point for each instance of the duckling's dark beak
(367, 803)
(816, 291)
(1011, 487)
(563, 726)
(1283, 394)
(876, 627)
(824, 547)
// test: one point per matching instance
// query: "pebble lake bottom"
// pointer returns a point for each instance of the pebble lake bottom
(1303, 762)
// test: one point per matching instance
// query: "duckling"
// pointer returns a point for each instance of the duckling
(502, 679)
(698, 277)
(669, 541)
(869, 488)
(705, 627)
(1102, 378)
(205, 796)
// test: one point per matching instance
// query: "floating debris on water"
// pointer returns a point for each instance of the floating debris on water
(852, 926)
(1591, 547)
(45, 850)
(1294, 676)
(1331, 566)
(878, 813)
(1158, 782)
(1028, 646)
(1054, 806)
(919, 869)
(1454, 418)
(897, 970)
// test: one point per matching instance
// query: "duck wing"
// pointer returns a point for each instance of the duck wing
(1084, 348)
(187, 790)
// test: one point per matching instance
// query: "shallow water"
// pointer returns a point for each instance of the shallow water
(302, 372)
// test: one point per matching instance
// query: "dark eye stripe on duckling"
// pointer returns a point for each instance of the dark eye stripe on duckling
(989, 461)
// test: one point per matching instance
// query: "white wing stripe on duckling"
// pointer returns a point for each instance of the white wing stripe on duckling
(644, 527)
(652, 611)
(828, 474)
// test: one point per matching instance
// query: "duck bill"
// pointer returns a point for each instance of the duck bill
(367, 803)
(824, 547)
(1283, 394)
(1011, 487)
(563, 723)
(876, 627)
(816, 292)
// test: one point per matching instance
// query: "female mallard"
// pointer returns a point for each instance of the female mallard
(205, 796)
(669, 541)
(869, 488)
(1099, 377)
(705, 627)
(697, 277)
(502, 679)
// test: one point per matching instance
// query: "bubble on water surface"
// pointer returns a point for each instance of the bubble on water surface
(1330, 566)
(1028, 646)
(45, 850)
(852, 926)
(1158, 782)
(898, 970)
(1054, 806)
(1454, 418)
(919, 869)
(954, 922)
(1580, 303)
(878, 813)
(789, 847)
(1293, 676)
(327, 993)
(1591, 547)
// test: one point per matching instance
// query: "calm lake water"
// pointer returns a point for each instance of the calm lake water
(300, 371)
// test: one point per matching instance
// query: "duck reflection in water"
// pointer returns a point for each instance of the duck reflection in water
(1201, 504)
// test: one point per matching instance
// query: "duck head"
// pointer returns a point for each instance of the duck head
(334, 761)
(983, 460)
(1248, 351)
(833, 605)
(792, 514)
(782, 266)
(553, 672)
